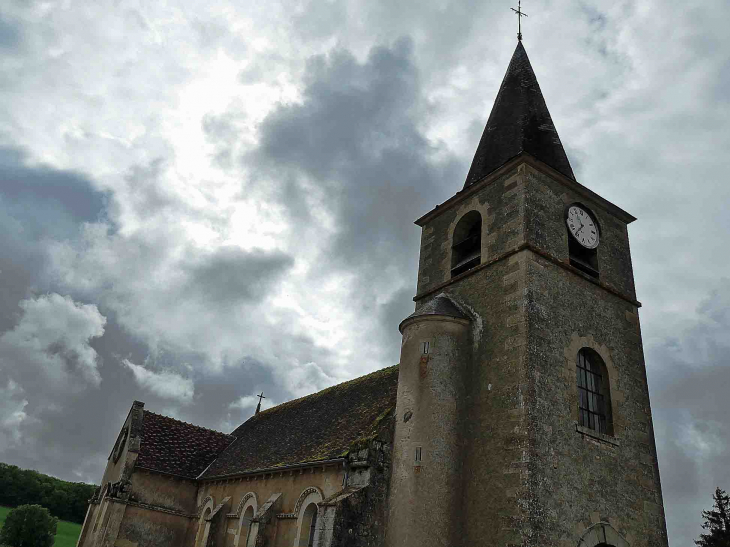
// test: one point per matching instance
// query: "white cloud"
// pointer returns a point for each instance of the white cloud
(52, 338)
(306, 378)
(250, 402)
(167, 385)
(12, 415)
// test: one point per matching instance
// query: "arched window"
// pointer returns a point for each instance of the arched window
(201, 538)
(203, 527)
(594, 397)
(466, 249)
(245, 525)
(309, 522)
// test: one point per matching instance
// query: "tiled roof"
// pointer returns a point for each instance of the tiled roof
(519, 122)
(440, 305)
(318, 427)
(178, 448)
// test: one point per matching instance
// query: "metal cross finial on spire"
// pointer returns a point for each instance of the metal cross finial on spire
(520, 14)
(258, 408)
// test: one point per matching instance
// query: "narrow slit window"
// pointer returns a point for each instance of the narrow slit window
(426, 347)
(418, 454)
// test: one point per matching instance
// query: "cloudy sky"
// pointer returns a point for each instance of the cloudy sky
(200, 200)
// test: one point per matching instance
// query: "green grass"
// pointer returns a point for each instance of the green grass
(67, 533)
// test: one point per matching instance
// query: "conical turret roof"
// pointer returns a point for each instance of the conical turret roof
(519, 122)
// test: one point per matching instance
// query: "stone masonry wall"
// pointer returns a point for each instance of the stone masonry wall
(577, 479)
(360, 519)
(545, 203)
(164, 491)
(533, 478)
(494, 435)
(291, 483)
(431, 391)
(144, 528)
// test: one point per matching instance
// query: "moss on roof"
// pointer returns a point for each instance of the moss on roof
(317, 427)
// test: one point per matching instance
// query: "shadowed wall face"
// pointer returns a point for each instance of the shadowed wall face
(530, 469)
(426, 459)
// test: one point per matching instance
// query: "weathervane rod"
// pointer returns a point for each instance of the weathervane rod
(520, 14)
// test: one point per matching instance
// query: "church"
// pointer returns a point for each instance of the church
(518, 415)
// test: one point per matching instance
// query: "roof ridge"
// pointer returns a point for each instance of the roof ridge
(322, 391)
(315, 427)
(187, 423)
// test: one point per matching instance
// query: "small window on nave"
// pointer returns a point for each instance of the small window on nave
(594, 398)
(466, 249)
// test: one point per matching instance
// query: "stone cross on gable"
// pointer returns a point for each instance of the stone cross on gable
(258, 408)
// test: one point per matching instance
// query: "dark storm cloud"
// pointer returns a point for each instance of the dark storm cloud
(218, 391)
(357, 138)
(37, 203)
(231, 274)
(10, 36)
(45, 201)
(690, 372)
(167, 302)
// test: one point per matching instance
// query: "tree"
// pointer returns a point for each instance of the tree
(29, 526)
(717, 522)
(65, 500)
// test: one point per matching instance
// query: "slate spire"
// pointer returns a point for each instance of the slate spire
(519, 122)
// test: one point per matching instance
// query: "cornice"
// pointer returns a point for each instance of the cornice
(536, 164)
(543, 254)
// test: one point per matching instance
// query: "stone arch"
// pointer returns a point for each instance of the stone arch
(466, 243)
(308, 496)
(602, 534)
(472, 204)
(206, 509)
(245, 501)
(207, 501)
(304, 495)
(577, 343)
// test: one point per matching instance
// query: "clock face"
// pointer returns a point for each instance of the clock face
(583, 227)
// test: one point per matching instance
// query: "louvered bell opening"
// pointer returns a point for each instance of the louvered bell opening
(469, 254)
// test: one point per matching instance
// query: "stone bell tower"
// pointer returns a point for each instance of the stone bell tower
(523, 413)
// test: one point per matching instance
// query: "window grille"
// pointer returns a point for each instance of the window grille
(591, 403)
